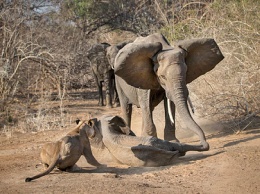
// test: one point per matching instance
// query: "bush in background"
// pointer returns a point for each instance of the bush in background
(230, 92)
(43, 53)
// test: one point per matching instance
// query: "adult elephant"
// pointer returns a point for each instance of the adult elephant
(150, 70)
(111, 52)
(112, 133)
(103, 74)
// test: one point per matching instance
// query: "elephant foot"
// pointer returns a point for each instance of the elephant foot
(175, 140)
(205, 146)
(73, 168)
(109, 106)
(101, 166)
(169, 134)
(153, 134)
(116, 105)
(171, 139)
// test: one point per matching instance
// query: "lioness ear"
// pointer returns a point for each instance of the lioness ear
(203, 54)
(91, 122)
(91, 132)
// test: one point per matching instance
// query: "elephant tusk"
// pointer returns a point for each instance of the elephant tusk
(113, 65)
(191, 105)
(170, 110)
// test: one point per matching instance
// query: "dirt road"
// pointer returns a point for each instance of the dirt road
(231, 165)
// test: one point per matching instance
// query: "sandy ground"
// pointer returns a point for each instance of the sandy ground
(231, 165)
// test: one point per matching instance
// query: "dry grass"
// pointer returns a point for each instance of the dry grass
(231, 92)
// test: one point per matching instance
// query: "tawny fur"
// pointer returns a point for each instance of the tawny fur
(64, 153)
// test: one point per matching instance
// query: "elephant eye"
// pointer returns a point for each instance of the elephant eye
(163, 77)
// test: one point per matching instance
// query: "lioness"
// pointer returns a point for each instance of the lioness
(67, 151)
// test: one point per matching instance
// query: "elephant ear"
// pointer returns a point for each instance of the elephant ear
(119, 125)
(134, 64)
(156, 37)
(203, 55)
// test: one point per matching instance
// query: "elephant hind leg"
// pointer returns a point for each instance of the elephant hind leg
(100, 94)
(99, 88)
(108, 89)
(114, 92)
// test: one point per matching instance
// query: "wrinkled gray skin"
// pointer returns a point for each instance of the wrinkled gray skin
(112, 133)
(112, 51)
(103, 73)
(64, 153)
(150, 70)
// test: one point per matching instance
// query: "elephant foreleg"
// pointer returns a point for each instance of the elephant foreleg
(116, 98)
(126, 110)
(108, 87)
(148, 126)
(169, 129)
(126, 107)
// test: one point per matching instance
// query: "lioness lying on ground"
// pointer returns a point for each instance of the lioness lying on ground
(66, 152)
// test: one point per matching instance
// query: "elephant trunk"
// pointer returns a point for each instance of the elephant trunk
(179, 96)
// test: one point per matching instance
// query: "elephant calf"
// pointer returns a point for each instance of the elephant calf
(112, 133)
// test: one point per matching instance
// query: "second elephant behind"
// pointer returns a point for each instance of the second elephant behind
(101, 57)
(103, 74)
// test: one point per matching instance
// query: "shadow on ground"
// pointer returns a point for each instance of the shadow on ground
(116, 172)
